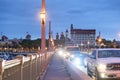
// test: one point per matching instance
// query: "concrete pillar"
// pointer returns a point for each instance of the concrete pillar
(20, 57)
(2, 63)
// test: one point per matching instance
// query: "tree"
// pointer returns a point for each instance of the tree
(30, 44)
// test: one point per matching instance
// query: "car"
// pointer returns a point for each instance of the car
(104, 64)
(85, 60)
(76, 57)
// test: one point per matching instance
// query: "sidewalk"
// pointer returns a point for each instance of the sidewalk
(56, 70)
(61, 70)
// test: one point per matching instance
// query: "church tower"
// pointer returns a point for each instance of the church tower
(67, 34)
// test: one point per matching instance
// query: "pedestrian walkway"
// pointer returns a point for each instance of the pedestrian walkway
(61, 69)
(57, 70)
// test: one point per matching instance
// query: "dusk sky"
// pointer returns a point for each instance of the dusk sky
(20, 16)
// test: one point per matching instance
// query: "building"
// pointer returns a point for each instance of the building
(83, 37)
(64, 40)
(7, 44)
(66, 37)
(4, 38)
(57, 36)
(99, 42)
(62, 37)
(118, 43)
(68, 42)
(28, 36)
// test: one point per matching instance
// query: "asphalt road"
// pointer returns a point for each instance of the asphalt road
(82, 68)
(75, 64)
(78, 71)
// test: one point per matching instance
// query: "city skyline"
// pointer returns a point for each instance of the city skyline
(18, 17)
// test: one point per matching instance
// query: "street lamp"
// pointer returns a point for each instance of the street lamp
(99, 41)
(43, 22)
(43, 17)
(88, 45)
(81, 45)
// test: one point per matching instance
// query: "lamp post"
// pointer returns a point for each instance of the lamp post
(88, 45)
(43, 22)
(81, 45)
(99, 41)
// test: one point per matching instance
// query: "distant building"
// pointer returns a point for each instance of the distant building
(99, 42)
(4, 38)
(66, 34)
(57, 37)
(83, 36)
(118, 43)
(28, 36)
(7, 44)
(68, 42)
(62, 37)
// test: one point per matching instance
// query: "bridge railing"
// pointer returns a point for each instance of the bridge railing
(25, 68)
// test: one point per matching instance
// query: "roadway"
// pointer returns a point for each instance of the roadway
(61, 68)
(82, 68)
(78, 71)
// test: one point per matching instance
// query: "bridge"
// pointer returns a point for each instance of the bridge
(45, 66)
(25, 68)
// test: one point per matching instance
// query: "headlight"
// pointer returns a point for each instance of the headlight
(101, 67)
(68, 54)
(72, 56)
(64, 55)
(76, 61)
(102, 75)
(60, 52)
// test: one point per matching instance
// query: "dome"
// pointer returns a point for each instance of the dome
(4, 38)
(28, 36)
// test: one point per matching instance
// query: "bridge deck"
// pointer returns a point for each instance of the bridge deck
(61, 70)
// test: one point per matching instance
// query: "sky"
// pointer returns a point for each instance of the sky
(17, 17)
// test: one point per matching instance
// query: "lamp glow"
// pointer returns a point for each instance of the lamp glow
(99, 39)
(42, 15)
